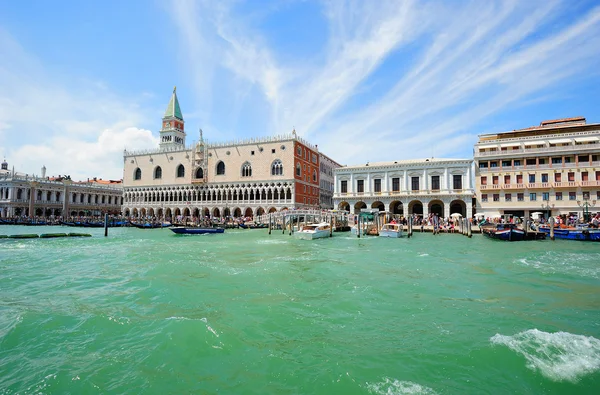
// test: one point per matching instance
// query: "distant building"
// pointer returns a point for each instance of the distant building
(407, 187)
(553, 168)
(326, 180)
(242, 178)
(26, 195)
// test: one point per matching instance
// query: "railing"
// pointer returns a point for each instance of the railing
(229, 203)
(566, 184)
(545, 166)
(590, 183)
(341, 195)
(565, 148)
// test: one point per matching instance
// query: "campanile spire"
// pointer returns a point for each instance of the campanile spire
(172, 134)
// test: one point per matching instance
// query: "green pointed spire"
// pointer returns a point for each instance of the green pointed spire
(173, 109)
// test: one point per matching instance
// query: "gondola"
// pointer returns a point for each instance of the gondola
(196, 231)
(156, 225)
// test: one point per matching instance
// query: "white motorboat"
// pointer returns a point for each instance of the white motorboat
(314, 231)
(391, 230)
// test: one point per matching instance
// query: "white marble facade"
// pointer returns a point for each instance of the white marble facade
(406, 187)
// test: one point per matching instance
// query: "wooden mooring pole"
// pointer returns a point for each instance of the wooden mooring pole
(551, 220)
(105, 223)
(270, 224)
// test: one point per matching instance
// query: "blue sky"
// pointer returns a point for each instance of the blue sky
(365, 80)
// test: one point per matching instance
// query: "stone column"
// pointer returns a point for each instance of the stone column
(469, 208)
(65, 208)
(32, 186)
(468, 179)
(446, 185)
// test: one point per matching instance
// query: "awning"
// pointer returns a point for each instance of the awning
(486, 146)
(510, 145)
(561, 141)
(585, 139)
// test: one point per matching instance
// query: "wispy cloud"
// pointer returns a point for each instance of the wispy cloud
(464, 62)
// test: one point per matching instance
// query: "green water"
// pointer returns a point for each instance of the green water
(146, 311)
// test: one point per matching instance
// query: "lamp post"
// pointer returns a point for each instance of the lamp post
(548, 207)
(586, 205)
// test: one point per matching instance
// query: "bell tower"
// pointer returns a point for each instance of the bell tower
(172, 133)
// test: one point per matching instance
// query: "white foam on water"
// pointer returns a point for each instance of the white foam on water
(271, 241)
(395, 387)
(424, 254)
(177, 318)
(570, 264)
(559, 356)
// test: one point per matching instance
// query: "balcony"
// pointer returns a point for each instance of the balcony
(522, 151)
(490, 187)
(539, 185)
(566, 184)
(590, 183)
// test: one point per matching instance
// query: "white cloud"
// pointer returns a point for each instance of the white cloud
(79, 130)
(467, 61)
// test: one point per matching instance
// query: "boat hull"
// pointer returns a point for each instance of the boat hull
(390, 233)
(312, 235)
(197, 231)
(574, 234)
(505, 234)
(151, 226)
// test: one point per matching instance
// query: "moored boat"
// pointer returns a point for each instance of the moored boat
(152, 225)
(391, 230)
(314, 231)
(581, 234)
(196, 231)
(507, 232)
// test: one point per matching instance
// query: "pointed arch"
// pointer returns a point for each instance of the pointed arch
(277, 168)
(199, 173)
(137, 174)
(180, 171)
(157, 172)
(221, 168)
(246, 169)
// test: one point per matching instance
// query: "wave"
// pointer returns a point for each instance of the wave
(395, 387)
(569, 264)
(559, 356)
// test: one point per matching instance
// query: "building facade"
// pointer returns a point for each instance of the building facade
(326, 181)
(242, 178)
(441, 186)
(553, 168)
(31, 196)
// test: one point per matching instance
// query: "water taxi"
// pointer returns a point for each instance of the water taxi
(314, 231)
(391, 230)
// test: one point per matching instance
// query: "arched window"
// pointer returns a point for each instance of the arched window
(180, 171)
(247, 170)
(158, 172)
(277, 168)
(298, 169)
(220, 168)
(137, 174)
(199, 173)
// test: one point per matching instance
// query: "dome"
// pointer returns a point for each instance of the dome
(4, 165)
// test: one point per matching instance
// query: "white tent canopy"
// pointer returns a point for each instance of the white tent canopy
(456, 215)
